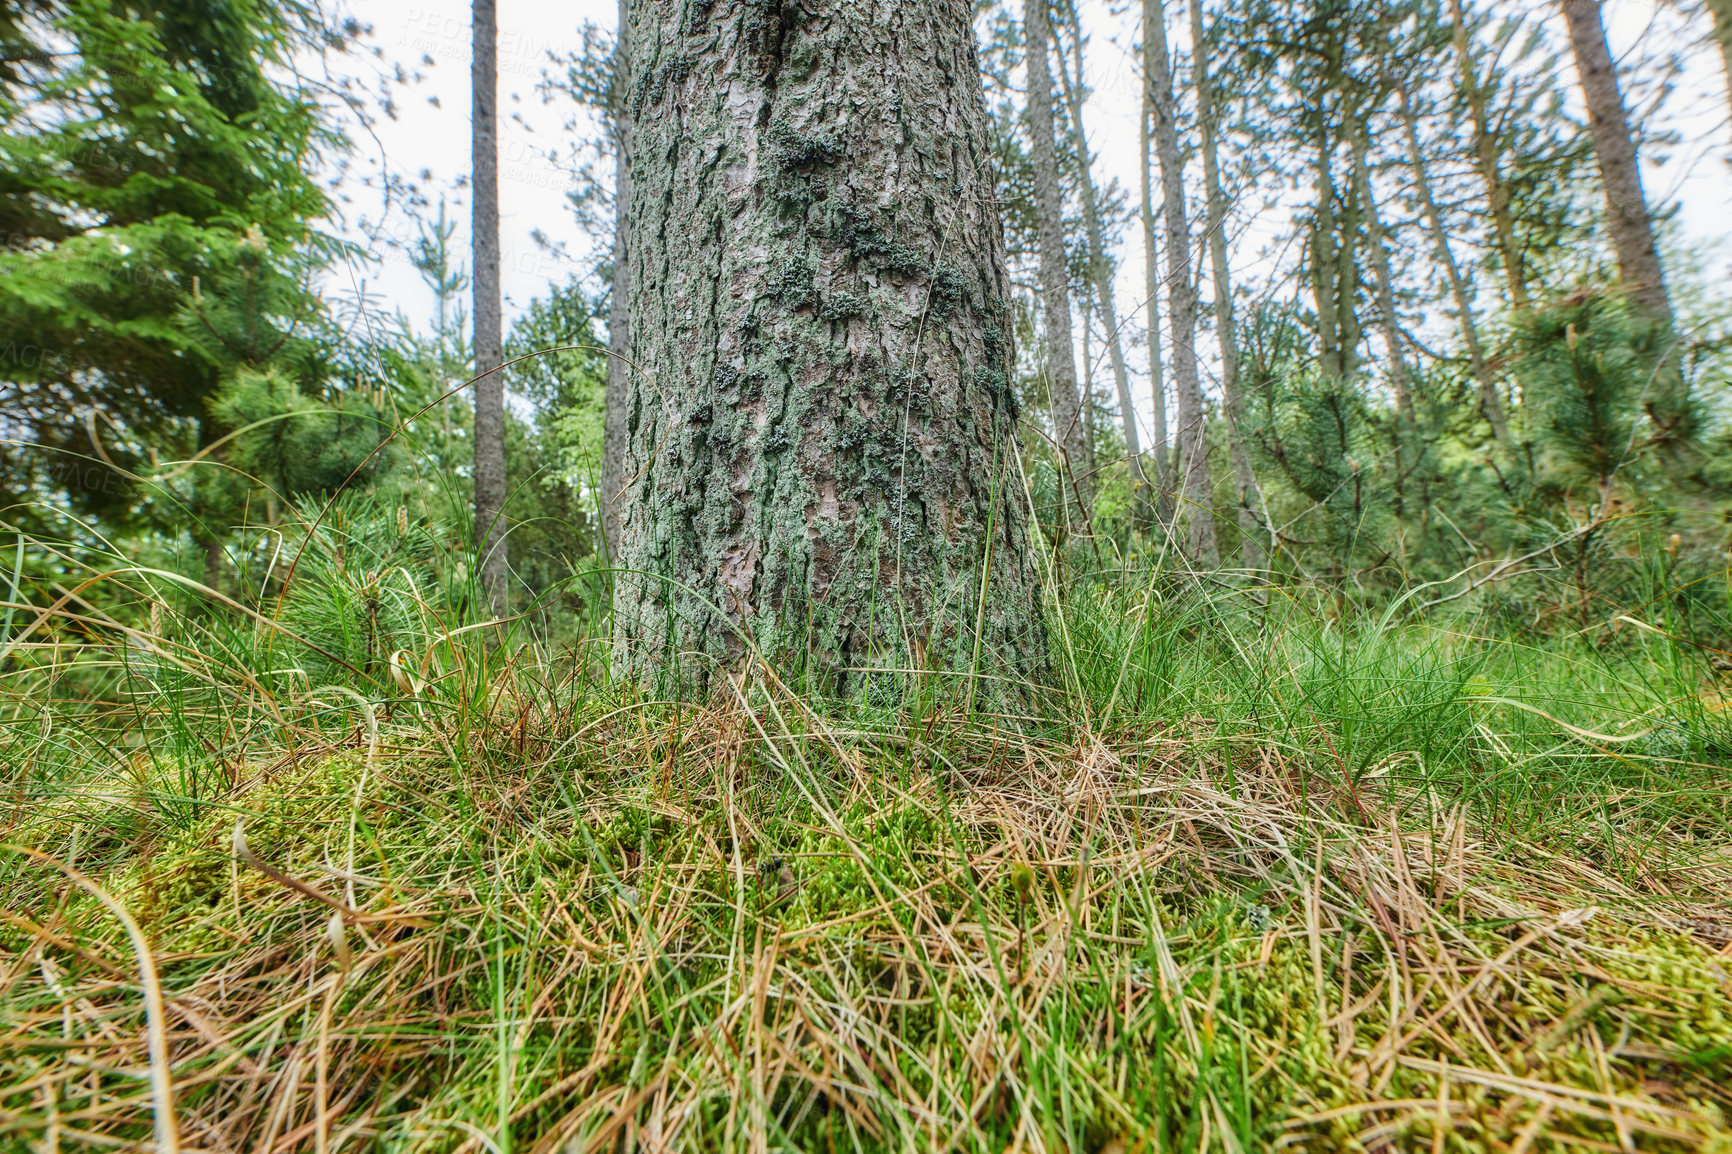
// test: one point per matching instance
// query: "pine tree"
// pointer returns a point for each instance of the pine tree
(1226, 325)
(156, 238)
(1615, 146)
(1193, 433)
(490, 541)
(1100, 266)
(1070, 431)
(821, 458)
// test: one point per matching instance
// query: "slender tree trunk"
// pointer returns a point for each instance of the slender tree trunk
(484, 237)
(1077, 457)
(1486, 161)
(1626, 207)
(1389, 321)
(1087, 383)
(1722, 13)
(820, 455)
(1100, 266)
(1331, 257)
(1490, 399)
(1160, 453)
(1193, 433)
(1226, 327)
(1335, 268)
(1395, 346)
(1347, 273)
(619, 370)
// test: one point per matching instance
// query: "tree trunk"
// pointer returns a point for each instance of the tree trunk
(1323, 262)
(1193, 433)
(1335, 269)
(1722, 13)
(1388, 320)
(490, 385)
(1076, 454)
(1626, 208)
(820, 453)
(1101, 269)
(1486, 161)
(1152, 307)
(1490, 400)
(619, 369)
(1226, 329)
(1407, 454)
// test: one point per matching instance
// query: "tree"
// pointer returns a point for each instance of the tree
(1721, 11)
(1070, 432)
(1152, 307)
(490, 544)
(1488, 162)
(1100, 263)
(820, 451)
(1226, 329)
(1614, 146)
(156, 240)
(618, 314)
(1490, 398)
(1193, 432)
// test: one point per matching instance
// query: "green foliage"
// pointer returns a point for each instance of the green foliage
(155, 230)
(294, 444)
(1585, 385)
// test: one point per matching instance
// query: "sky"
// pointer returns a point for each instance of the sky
(426, 143)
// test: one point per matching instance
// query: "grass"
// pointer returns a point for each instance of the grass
(1257, 879)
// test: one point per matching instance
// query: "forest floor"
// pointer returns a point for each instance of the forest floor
(1232, 888)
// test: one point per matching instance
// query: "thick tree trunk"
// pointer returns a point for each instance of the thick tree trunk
(1101, 269)
(1067, 415)
(1159, 451)
(1226, 329)
(1486, 161)
(1626, 208)
(1193, 434)
(820, 454)
(1490, 399)
(484, 237)
(619, 369)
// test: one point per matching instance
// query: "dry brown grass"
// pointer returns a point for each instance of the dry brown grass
(742, 928)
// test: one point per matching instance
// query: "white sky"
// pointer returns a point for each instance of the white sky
(431, 134)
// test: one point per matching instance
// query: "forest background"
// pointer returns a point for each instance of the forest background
(1397, 649)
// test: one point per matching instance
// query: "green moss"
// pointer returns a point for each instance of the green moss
(791, 151)
(791, 281)
(840, 306)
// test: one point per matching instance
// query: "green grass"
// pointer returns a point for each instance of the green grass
(1249, 878)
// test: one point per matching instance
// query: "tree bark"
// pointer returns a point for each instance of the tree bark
(820, 453)
(490, 542)
(1490, 399)
(1615, 148)
(1193, 433)
(1226, 327)
(1075, 452)
(1152, 307)
(1486, 161)
(1335, 269)
(1722, 13)
(613, 432)
(1101, 269)
(1407, 451)
(1395, 346)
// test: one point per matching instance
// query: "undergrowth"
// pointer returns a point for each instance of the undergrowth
(340, 870)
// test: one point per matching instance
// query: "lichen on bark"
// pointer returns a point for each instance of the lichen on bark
(820, 447)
